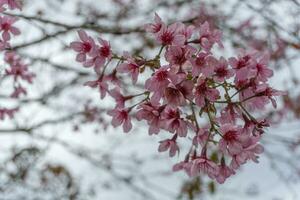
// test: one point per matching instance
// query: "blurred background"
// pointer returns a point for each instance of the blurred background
(60, 144)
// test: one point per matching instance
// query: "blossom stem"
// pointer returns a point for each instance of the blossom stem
(194, 115)
(160, 51)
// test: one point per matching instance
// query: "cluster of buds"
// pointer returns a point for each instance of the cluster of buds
(16, 69)
(195, 95)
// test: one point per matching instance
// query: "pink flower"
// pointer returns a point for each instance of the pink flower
(100, 54)
(177, 55)
(132, 67)
(119, 98)
(176, 95)
(172, 122)
(260, 124)
(200, 66)
(151, 113)
(11, 57)
(203, 165)
(224, 172)
(250, 150)
(12, 4)
(186, 89)
(263, 72)
(229, 114)
(112, 77)
(168, 35)
(6, 25)
(201, 137)
(17, 68)
(18, 90)
(244, 66)
(186, 31)
(222, 72)
(83, 48)
(280, 49)
(7, 112)
(202, 92)
(184, 165)
(169, 144)
(158, 82)
(156, 26)
(261, 95)
(209, 37)
(102, 86)
(231, 140)
(191, 76)
(121, 116)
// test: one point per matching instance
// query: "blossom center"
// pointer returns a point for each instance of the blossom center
(105, 51)
(230, 136)
(221, 72)
(86, 47)
(167, 38)
(161, 76)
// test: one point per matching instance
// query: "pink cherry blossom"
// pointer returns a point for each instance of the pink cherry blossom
(263, 72)
(99, 55)
(158, 82)
(7, 112)
(224, 172)
(250, 150)
(156, 26)
(131, 66)
(200, 66)
(209, 37)
(174, 97)
(186, 89)
(172, 121)
(177, 95)
(84, 47)
(230, 114)
(112, 77)
(102, 86)
(231, 140)
(244, 66)
(203, 165)
(18, 90)
(200, 98)
(168, 35)
(221, 70)
(177, 56)
(121, 116)
(12, 4)
(201, 137)
(260, 96)
(183, 165)
(202, 92)
(186, 31)
(152, 114)
(6, 27)
(119, 98)
(17, 69)
(169, 144)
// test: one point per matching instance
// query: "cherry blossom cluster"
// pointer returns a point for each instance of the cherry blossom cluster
(197, 97)
(7, 28)
(15, 67)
